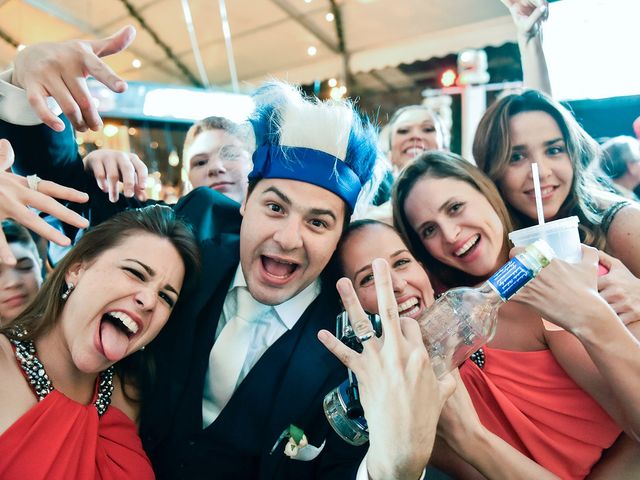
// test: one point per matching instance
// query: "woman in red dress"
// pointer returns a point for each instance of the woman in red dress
(64, 409)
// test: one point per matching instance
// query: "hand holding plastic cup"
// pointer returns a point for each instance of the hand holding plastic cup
(562, 235)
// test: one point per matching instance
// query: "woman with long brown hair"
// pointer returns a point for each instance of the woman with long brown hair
(62, 412)
(555, 396)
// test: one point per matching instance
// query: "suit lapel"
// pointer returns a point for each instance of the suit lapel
(309, 368)
(191, 330)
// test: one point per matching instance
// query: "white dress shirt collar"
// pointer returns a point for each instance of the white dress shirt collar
(291, 310)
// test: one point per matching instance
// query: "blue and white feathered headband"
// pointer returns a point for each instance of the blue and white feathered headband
(323, 143)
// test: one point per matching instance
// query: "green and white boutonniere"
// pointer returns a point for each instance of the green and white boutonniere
(297, 446)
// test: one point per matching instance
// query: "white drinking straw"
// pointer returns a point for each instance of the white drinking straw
(536, 189)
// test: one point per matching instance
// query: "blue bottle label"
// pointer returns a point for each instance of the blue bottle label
(510, 278)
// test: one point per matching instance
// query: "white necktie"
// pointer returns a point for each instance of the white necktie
(228, 355)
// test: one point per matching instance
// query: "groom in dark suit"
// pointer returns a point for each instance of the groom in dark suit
(230, 383)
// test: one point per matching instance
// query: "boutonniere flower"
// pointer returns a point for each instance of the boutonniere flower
(297, 446)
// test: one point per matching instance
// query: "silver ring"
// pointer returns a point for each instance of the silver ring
(367, 336)
(33, 181)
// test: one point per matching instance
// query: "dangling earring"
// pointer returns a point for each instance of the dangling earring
(67, 292)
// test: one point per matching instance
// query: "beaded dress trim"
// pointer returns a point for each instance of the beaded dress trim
(478, 358)
(40, 382)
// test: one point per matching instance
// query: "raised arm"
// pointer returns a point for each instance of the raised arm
(400, 394)
(490, 455)
(60, 70)
(602, 356)
(528, 16)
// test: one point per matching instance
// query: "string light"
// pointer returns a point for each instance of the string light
(110, 130)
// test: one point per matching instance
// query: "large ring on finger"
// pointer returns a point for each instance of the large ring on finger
(367, 336)
(33, 181)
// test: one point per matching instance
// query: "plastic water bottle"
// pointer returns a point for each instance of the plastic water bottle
(460, 322)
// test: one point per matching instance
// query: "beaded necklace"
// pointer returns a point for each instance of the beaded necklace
(40, 382)
(478, 358)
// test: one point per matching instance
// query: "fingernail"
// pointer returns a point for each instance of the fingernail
(8, 260)
(341, 285)
(59, 126)
(377, 266)
(323, 335)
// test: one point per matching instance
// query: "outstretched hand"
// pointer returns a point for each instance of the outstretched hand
(111, 166)
(399, 391)
(16, 197)
(528, 15)
(60, 70)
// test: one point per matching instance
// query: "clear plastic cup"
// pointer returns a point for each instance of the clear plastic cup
(562, 235)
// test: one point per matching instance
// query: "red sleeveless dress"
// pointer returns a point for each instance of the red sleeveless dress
(528, 400)
(59, 438)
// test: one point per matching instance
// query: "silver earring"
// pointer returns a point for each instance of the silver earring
(67, 292)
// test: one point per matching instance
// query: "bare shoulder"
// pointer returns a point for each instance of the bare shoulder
(15, 395)
(126, 403)
(623, 238)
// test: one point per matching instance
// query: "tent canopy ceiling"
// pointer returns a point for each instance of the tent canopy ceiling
(270, 37)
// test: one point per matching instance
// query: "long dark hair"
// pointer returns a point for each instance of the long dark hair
(45, 310)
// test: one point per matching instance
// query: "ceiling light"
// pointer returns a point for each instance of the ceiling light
(329, 17)
(174, 159)
(311, 51)
(136, 63)
(332, 82)
(110, 130)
